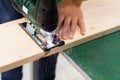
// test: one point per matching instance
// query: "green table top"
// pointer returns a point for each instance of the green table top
(99, 58)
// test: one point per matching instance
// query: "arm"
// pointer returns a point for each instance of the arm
(70, 16)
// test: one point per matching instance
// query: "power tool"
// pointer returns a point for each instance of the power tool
(43, 16)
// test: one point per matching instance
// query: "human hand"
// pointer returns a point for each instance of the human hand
(70, 16)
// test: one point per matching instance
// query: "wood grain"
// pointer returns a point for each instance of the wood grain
(17, 48)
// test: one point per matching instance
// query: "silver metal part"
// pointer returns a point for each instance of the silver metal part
(39, 36)
(31, 30)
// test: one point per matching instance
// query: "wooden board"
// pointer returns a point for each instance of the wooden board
(17, 48)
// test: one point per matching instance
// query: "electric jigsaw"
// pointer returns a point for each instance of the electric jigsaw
(43, 16)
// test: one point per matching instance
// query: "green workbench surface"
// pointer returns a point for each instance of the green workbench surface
(99, 58)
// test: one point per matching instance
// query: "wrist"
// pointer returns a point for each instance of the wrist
(77, 2)
(66, 3)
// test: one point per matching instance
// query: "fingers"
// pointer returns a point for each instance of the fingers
(73, 28)
(68, 27)
(81, 25)
(60, 21)
(65, 28)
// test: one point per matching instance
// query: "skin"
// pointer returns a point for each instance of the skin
(70, 16)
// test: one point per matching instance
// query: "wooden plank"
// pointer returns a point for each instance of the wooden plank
(17, 48)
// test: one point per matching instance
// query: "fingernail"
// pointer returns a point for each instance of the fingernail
(83, 33)
(70, 36)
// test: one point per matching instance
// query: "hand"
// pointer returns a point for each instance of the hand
(70, 16)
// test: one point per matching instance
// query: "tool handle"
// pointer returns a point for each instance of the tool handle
(48, 18)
